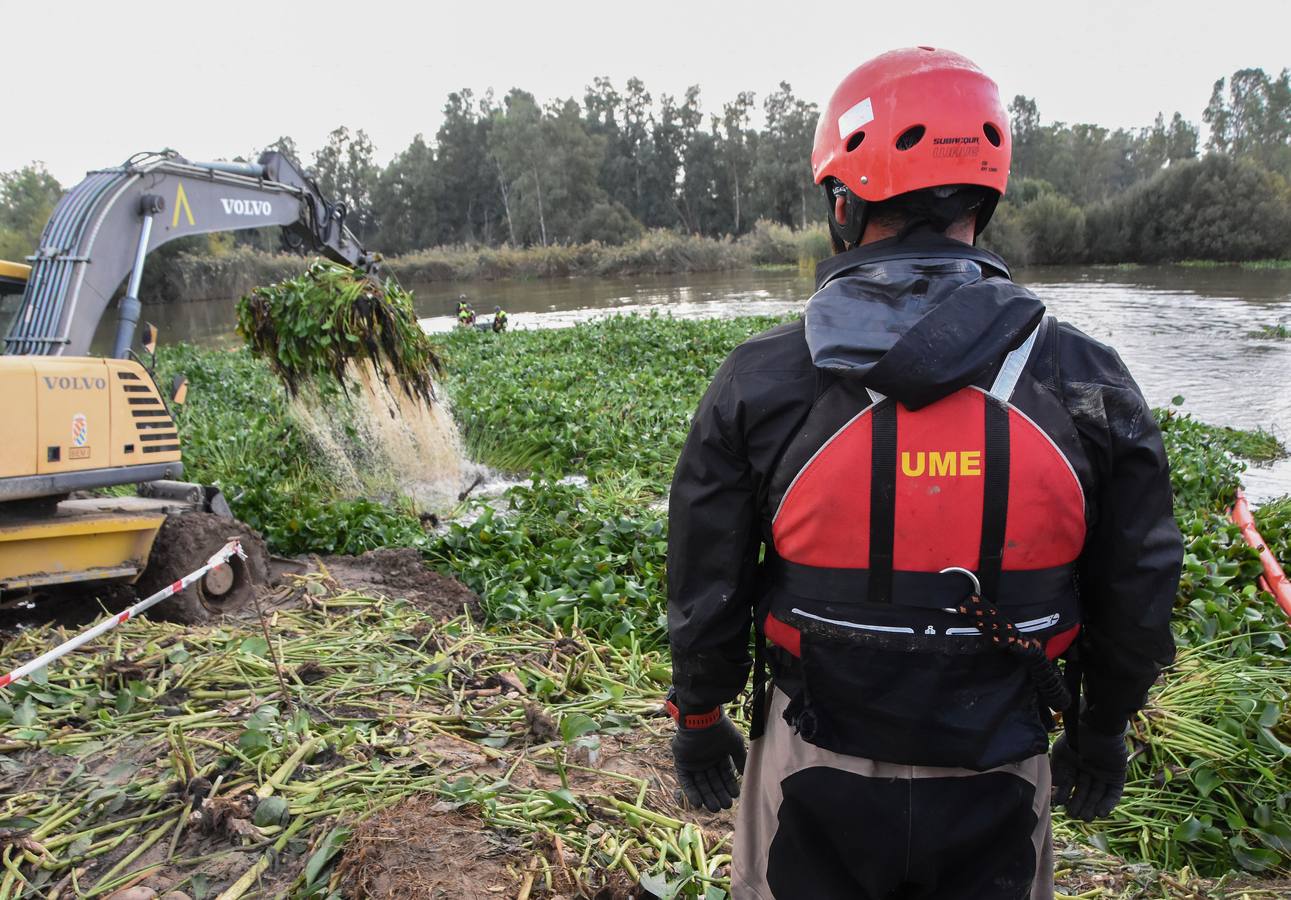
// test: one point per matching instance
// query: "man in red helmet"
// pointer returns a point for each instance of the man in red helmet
(921, 496)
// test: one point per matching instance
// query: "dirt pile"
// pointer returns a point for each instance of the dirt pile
(401, 574)
(423, 848)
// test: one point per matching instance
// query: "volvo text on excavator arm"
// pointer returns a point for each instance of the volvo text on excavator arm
(104, 228)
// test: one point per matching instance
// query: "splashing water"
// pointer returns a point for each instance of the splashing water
(381, 442)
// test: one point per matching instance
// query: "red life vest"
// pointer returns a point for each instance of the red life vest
(874, 502)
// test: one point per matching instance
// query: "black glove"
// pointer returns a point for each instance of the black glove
(1089, 774)
(706, 760)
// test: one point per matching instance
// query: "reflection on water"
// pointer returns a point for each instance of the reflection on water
(1180, 330)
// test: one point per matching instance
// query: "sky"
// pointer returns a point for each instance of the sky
(89, 82)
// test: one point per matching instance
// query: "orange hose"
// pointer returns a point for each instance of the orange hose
(1275, 580)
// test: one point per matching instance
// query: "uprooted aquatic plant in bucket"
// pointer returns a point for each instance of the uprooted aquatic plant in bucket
(311, 328)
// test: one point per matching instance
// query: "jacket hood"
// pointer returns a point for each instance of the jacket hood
(916, 319)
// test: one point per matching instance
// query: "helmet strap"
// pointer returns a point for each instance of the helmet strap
(984, 213)
(846, 234)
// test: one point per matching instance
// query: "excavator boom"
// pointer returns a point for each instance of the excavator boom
(103, 229)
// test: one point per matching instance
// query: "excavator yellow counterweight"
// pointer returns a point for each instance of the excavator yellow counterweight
(68, 415)
(73, 424)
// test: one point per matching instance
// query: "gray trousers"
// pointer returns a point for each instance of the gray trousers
(817, 825)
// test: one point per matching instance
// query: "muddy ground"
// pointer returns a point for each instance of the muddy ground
(396, 573)
(401, 574)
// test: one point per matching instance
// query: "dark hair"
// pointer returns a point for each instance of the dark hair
(936, 208)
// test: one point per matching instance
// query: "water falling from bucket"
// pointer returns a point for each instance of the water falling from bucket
(381, 441)
(360, 370)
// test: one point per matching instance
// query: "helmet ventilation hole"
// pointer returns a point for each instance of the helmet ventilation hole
(910, 137)
(992, 134)
(855, 141)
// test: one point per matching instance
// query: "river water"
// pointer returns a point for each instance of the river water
(1182, 331)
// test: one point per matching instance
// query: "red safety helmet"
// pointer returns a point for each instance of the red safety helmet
(905, 121)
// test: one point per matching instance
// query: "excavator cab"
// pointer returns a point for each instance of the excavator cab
(13, 281)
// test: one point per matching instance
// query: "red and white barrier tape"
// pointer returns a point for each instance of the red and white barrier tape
(219, 559)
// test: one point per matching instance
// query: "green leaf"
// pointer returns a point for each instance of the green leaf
(563, 798)
(658, 885)
(575, 725)
(1205, 781)
(328, 848)
(254, 741)
(25, 715)
(254, 646)
(1190, 829)
(1253, 859)
(18, 823)
(125, 700)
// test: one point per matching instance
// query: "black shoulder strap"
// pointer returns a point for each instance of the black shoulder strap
(883, 500)
(995, 497)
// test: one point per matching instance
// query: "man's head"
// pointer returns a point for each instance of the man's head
(911, 139)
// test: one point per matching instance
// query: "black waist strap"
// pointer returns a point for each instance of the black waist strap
(926, 590)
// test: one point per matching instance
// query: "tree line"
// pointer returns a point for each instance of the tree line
(1082, 193)
(606, 168)
(519, 172)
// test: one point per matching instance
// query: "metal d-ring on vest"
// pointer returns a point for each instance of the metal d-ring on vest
(1048, 680)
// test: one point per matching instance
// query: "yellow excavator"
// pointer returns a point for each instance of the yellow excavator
(76, 425)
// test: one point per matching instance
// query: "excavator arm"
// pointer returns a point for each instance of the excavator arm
(104, 228)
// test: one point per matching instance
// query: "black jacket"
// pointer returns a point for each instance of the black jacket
(916, 320)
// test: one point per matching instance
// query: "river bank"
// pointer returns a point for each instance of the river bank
(198, 277)
(189, 277)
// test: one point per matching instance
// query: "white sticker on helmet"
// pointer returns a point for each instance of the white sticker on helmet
(860, 114)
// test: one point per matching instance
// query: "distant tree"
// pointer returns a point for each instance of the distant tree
(346, 172)
(547, 167)
(1055, 229)
(667, 142)
(515, 146)
(1253, 118)
(285, 145)
(405, 200)
(782, 170)
(27, 198)
(570, 168)
(1087, 162)
(1218, 207)
(469, 205)
(1181, 140)
(700, 167)
(1006, 236)
(608, 223)
(636, 143)
(1028, 137)
(736, 148)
